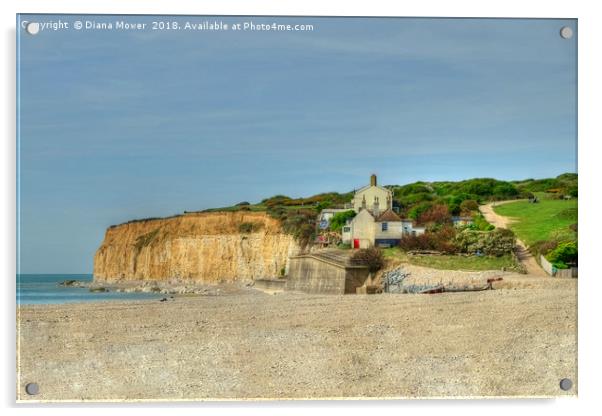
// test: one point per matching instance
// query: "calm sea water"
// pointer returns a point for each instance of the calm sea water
(44, 288)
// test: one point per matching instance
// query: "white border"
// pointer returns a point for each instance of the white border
(590, 34)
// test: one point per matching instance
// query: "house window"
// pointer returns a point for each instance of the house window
(346, 229)
(384, 226)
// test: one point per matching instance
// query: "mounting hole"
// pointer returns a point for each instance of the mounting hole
(566, 384)
(32, 389)
(32, 28)
(566, 32)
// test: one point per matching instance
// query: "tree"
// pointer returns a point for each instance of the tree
(437, 214)
(371, 257)
(339, 219)
(469, 205)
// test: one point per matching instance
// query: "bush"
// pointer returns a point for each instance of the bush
(240, 204)
(436, 214)
(491, 243)
(469, 205)
(300, 223)
(479, 223)
(372, 257)
(563, 255)
(417, 210)
(441, 240)
(542, 248)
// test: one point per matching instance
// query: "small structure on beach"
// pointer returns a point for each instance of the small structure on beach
(326, 272)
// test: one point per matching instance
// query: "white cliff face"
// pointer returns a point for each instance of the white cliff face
(204, 247)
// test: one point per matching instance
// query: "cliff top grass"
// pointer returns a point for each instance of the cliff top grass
(549, 219)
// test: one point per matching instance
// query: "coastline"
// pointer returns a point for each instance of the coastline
(515, 341)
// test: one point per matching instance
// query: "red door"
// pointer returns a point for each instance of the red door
(356, 243)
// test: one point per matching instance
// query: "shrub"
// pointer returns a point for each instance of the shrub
(479, 223)
(340, 218)
(243, 203)
(372, 257)
(441, 240)
(300, 223)
(469, 205)
(564, 254)
(322, 205)
(436, 214)
(416, 211)
(542, 247)
(492, 243)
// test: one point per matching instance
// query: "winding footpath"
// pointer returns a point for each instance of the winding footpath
(523, 254)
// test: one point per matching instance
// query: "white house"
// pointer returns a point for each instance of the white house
(376, 224)
(372, 197)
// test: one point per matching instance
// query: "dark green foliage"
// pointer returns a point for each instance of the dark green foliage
(417, 197)
(371, 257)
(243, 203)
(249, 227)
(328, 199)
(300, 223)
(417, 210)
(491, 243)
(146, 219)
(565, 184)
(276, 200)
(479, 223)
(563, 255)
(323, 205)
(340, 218)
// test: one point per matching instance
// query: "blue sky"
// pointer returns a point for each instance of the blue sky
(116, 125)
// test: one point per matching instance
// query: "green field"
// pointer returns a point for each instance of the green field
(546, 220)
(450, 262)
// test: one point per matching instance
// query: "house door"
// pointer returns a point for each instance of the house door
(356, 243)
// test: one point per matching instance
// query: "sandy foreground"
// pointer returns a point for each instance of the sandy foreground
(517, 340)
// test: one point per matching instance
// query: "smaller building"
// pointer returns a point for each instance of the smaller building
(384, 230)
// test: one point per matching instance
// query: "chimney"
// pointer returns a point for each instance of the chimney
(373, 180)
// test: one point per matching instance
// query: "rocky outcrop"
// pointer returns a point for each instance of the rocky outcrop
(205, 247)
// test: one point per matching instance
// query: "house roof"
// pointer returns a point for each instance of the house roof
(363, 188)
(388, 215)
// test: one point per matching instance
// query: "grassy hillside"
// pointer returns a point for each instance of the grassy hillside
(451, 262)
(547, 220)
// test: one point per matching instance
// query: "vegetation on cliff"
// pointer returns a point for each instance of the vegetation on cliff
(426, 202)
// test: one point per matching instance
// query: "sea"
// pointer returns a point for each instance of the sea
(45, 289)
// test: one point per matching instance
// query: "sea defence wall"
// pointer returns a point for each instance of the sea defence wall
(203, 247)
(325, 273)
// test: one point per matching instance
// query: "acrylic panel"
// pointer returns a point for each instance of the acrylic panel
(255, 207)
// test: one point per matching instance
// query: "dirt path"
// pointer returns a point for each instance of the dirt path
(523, 254)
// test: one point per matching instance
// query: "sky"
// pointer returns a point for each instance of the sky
(120, 124)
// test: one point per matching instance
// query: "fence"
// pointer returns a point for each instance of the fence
(554, 272)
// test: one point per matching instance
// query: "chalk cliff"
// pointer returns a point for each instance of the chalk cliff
(205, 247)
